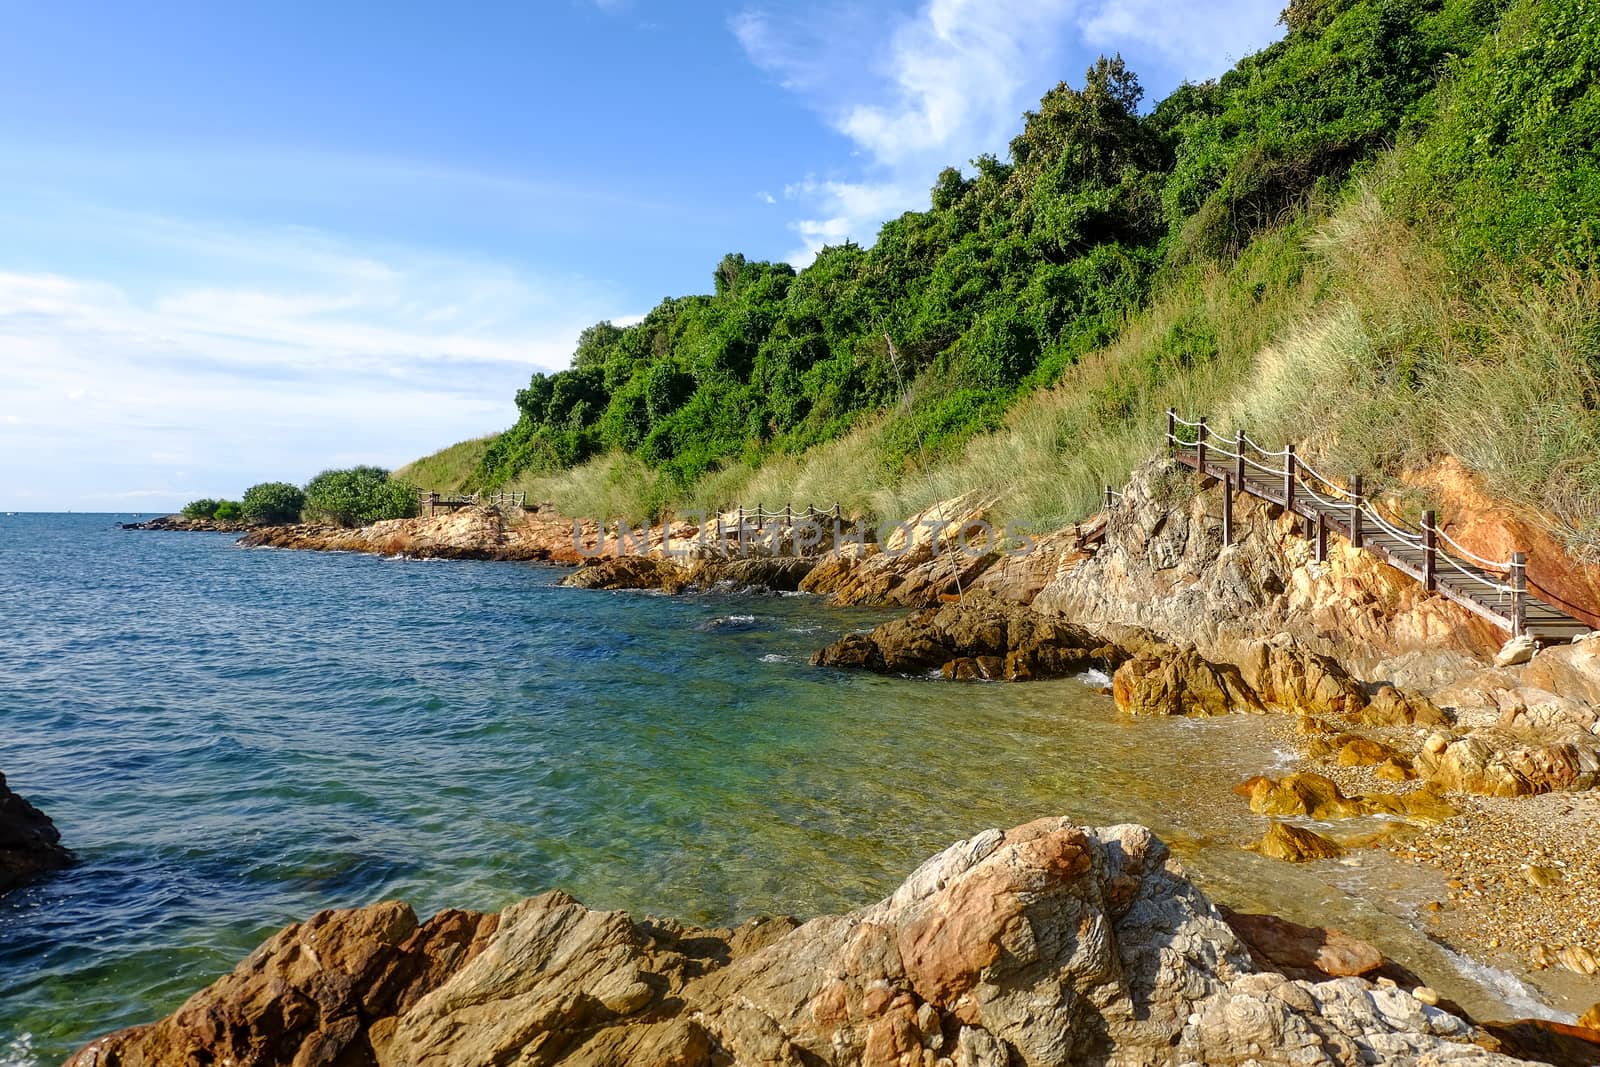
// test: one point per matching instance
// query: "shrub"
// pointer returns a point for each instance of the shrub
(204, 508)
(228, 511)
(357, 496)
(273, 502)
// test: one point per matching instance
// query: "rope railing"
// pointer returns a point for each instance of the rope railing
(1423, 547)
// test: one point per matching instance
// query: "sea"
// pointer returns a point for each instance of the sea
(233, 739)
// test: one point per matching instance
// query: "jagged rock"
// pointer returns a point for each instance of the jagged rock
(630, 572)
(1591, 1018)
(307, 996)
(1493, 764)
(1317, 797)
(1391, 707)
(1295, 844)
(1181, 682)
(1046, 944)
(1163, 567)
(977, 637)
(1294, 678)
(30, 844)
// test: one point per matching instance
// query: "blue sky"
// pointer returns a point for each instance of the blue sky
(251, 241)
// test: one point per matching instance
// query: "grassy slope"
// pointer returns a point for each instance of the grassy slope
(1437, 302)
(449, 469)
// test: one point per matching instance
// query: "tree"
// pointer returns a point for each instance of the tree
(204, 508)
(358, 496)
(273, 502)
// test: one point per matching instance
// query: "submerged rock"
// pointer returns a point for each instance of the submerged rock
(30, 844)
(1046, 944)
(1296, 844)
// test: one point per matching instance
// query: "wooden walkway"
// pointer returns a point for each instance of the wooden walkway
(1496, 590)
(429, 501)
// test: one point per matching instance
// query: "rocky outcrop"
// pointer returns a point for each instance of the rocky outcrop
(1046, 944)
(1494, 763)
(466, 533)
(1181, 682)
(1317, 797)
(1163, 568)
(184, 524)
(978, 637)
(30, 844)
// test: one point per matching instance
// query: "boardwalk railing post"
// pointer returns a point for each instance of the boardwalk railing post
(1356, 537)
(1519, 593)
(1238, 464)
(1107, 498)
(1430, 549)
(1200, 447)
(1227, 510)
(1288, 477)
(1172, 429)
(1322, 538)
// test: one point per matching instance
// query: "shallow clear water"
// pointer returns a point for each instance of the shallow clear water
(234, 739)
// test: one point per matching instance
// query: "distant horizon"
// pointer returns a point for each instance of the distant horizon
(252, 245)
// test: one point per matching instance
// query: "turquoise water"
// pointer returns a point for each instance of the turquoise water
(233, 739)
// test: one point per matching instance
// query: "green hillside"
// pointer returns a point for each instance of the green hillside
(1378, 235)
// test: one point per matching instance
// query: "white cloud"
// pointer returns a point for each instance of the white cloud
(942, 86)
(296, 353)
(1196, 47)
(766, 197)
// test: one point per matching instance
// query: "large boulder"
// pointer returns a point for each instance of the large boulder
(30, 844)
(1048, 944)
(1493, 762)
(1181, 682)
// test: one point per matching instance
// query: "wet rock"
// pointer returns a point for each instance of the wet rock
(1295, 844)
(1304, 793)
(977, 637)
(630, 572)
(1318, 797)
(1181, 682)
(30, 844)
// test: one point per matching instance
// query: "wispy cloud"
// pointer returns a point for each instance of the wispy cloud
(300, 351)
(916, 93)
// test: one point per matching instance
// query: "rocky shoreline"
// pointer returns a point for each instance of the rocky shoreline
(1409, 737)
(184, 524)
(1049, 943)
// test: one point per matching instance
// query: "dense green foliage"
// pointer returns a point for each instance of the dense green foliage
(1398, 200)
(273, 502)
(357, 496)
(207, 508)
